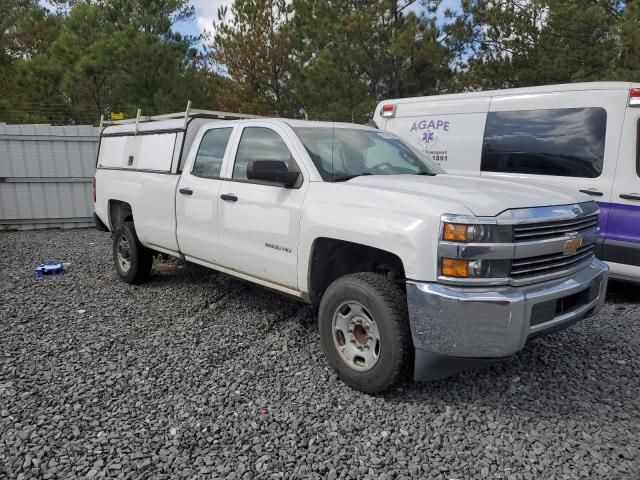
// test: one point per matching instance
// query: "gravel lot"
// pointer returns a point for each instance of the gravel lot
(196, 375)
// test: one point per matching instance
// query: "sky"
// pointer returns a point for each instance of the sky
(207, 12)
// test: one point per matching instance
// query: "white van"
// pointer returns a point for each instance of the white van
(581, 136)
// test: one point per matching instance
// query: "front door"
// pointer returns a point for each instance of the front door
(197, 196)
(259, 223)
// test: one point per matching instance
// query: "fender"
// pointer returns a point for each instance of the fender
(393, 222)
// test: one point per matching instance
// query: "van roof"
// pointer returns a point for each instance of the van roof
(564, 87)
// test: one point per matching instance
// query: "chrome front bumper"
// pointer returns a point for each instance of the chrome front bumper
(451, 324)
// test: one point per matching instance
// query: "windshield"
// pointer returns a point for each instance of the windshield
(340, 154)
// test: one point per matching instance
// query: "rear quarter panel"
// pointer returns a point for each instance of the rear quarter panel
(152, 199)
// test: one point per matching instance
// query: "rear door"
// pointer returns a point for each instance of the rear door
(197, 195)
(622, 244)
(260, 223)
(562, 139)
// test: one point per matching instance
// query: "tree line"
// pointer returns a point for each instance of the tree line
(318, 59)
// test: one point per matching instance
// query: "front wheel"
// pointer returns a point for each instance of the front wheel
(364, 331)
(132, 259)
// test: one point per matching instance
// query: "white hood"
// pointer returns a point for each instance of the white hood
(483, 196)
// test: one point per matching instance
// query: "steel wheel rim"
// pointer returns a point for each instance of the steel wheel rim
(356, 336)
(124, 254)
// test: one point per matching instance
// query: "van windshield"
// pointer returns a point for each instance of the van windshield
(341, 154)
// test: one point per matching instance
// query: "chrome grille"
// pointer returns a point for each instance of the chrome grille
(540, 231)
(538, 244)
(530, 269)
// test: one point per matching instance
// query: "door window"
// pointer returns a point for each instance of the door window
(210, 154)
(259, 143)
(565, 142)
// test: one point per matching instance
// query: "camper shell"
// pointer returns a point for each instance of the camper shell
(157, 143)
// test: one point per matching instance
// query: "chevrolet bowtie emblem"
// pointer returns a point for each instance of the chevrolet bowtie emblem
(572, 244)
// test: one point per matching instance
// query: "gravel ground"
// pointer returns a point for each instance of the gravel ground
(197, 375)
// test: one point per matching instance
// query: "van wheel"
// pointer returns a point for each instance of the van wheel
(133, 260)
(364, 331)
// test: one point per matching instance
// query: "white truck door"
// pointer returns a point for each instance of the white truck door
(622, 245)
(259, 223)
(562, 139)
(198, 193)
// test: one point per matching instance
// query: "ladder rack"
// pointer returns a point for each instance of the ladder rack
(188, 113)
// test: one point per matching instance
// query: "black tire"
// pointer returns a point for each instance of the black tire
(386, 303)
(140, 258)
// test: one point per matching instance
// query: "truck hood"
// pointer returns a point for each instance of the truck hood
(482, 196)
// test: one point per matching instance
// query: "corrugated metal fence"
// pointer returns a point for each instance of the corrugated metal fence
(45, 176)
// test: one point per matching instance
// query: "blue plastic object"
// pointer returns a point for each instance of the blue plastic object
(49, 268)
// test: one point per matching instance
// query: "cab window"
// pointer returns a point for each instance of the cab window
(565, 142)
(210, 154)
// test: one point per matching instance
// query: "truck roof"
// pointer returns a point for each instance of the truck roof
(565, 87)
(318, 124)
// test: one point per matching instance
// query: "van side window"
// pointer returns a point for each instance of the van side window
(259, 143)
(566, 142)
(210, 154)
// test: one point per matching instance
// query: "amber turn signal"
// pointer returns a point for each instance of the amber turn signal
(454, 267)
(454, 232)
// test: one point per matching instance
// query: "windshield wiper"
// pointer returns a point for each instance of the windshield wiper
(344, 178)
(429, 174)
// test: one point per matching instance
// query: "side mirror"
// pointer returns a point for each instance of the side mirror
(272, 171)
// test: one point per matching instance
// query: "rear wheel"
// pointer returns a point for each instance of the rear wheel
(133, 261)
(364, 331)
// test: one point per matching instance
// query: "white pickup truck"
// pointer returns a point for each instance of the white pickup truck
(413, 270)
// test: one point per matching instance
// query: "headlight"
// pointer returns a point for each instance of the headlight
(476, 233)
(461, 268)
(474, 250)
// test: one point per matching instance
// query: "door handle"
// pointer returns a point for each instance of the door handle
(630, 196)
(186, 191)
(592, 192)
(229, 197)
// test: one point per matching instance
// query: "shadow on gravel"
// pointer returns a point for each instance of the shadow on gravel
(540, 381)
(533, 384)
(188, 275)
(583, 373)
(623, 292)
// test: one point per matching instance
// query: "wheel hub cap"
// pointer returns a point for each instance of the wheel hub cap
(356, 336)
(124, 254)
